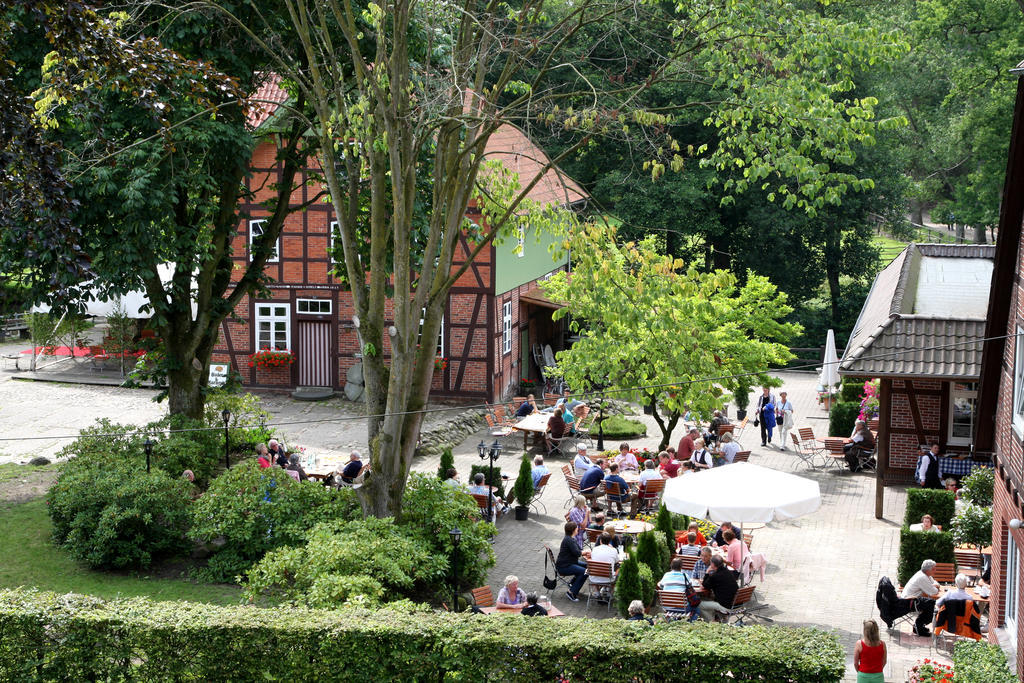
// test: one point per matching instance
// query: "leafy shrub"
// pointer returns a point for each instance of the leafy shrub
(105, 441)
(447, 462)
(981, 662)
(652, 551)
(664, 523)
(918, 546)
(851, 390)
(523, 488)
(73, 637)
(618, 427)
(430, 510)
(973, 526)
(627, 586)
(842, 418)
(648, 584)
(938, 503)
(112, 515)
(489, 479)
(187, 446)
(359, 562)
(248, 420)
(255, 510)
(979, 486)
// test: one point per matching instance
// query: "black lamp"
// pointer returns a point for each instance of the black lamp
(226, 416)
(148, 445)
(456, 535)
(491, 454)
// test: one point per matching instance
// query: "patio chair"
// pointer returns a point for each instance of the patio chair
(593, 535)
(739, 430)
(568, 471)
(574, 490)
(605, 572)
(742, 608)
(565, 445)
(651, 498)
(538, 491)
(968, 563)
(834, 453)
(893, 609)
(483, 596)
(688, 561)
(748, 538)
(549, 558)
(956, 619)
(742, 456)
(806, 457)
(945, 572)
(97, 358)
(583, 430)
(495, 429)
(675, 604)
(481, 503)
(614, 494)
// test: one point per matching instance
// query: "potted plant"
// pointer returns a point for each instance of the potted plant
(973, 526)
(741, 397)
(523, 488)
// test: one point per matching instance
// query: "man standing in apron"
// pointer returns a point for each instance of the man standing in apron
(764, 399)
(927, 473)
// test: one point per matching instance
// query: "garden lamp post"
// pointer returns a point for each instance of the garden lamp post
(456, 536)
(226, 416)
(492, 455)
(600, 418)
(148, 445)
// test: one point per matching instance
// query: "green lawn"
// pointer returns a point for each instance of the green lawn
(888, 248)
(31, 559)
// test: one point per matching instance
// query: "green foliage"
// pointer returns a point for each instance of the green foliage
(110, 514)
(842, 418)
(663, 523)
(248, 419)
(850, 390)
(193, 449)
(619, 427)
(978, 661)
(627, 586)
(361, 562)
(255, 510)
(72, 637)
(489, 479)
(973, 526)
(918, 546)
(447, 462)
(648, 584)
(938, 503)
(652, 551)
(523, 488)
(979, 486)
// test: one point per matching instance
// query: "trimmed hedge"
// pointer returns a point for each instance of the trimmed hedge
(842, 418)
(74, 637)
(938, 503)
(918, 546)
(619, 427)
(981, 662)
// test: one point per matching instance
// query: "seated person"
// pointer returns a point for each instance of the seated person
(532, 609)
(597, 521)
(719, 538)
(263, 456)
(636, 612)
(617, 540)
(591, 481)
(722, 584)
(960, 593)
(452, 478)
(528, 407)
(614, 478)
(581, 463)
(570, 402)
(648, 473)
(686, 444)
(479, 489)
(924, 591)
(294, 466)
(625, 460)
(353, 469)
(727, 450)
(861, 441)
(925, 525)
(569, 418)
(695, 528)
(568, 562)
(604, 551)
(686, 467)
(701, 457)
(538, 471)
(675, 579)
(700, 567)
(511, 596)
(690, 547)
(556, 430)
(716, 421)
(668, 467)
(578, 414)
(736, 550)
(278, 453)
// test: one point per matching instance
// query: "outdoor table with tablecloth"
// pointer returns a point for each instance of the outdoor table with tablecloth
(960, 467)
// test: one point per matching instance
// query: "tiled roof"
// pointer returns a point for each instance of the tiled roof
(267, 98)
(513, 149)
(889, 339)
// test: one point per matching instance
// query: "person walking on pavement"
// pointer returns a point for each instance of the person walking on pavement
(784, 418)
(766, 397)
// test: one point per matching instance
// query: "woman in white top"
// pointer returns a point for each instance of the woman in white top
(701, 457)
(728, 449)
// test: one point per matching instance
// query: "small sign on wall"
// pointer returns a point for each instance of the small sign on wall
(218, 374)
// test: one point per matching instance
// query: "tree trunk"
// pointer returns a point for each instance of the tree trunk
(666, 428)
(979, 234)
(185, 392)
(917, 211)
(833, 259)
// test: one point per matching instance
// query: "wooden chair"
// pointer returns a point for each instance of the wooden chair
(601, 570)
(481, 503)
(495, 429)
(97, 357)
(593, 535)
(551, 399)
(518, 401)
(613, 494)
(583, 429)
(748, 538)
(742, 608)
(568, 471)
(674, 603)
(945, 572)
(483, 597)
(742, 456)
(725, 429)
(805, 456)
(574, 490)
(651, 498)
(538, 491)
(834, 453)
(740, 429)
(968, 563)
(688, 561)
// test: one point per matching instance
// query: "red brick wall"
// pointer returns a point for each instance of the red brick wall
(1003, 511)
(904, 437)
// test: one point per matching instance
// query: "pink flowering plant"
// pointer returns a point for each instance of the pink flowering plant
(929, 671)
(869, 401)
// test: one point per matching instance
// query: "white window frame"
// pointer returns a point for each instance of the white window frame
(506, 328)
(1017, 409)
(332, 228)
(258, 223)
(1012, 590)
(279, 312)
(954, 394)
(319, 303)
(440, 334)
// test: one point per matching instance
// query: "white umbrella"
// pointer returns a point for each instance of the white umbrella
(830, 364)
(742, 493)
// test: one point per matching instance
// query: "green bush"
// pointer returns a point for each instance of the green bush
(447, 462)
(618, 427)
(252, 511)
(663, 523)
(938, 503)
(648, 584)
(51, 637)
(973, 526)
(523, 488)
(842, 418)
(979, 486)
(361, 562)
(489, 480)
(851, 391)
(981, 662)
(187, 446)
(112, 515)
(652, 551)
(627, 586)
(247, 424)
(918, 546)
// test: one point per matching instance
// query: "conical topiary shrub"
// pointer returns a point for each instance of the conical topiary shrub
(523, 488)
(447, 462)
(628, 586)
(663, 523)
(652, 551)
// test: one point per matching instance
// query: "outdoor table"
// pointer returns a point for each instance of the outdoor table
(632, 478)
(631, 526)
(535, 423)
(322, 466)
(960, 467)
(552, 610)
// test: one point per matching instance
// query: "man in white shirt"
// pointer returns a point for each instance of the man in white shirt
(648, 472)
(924, 591)
(539, 470)
(582, 463)
(604, 552)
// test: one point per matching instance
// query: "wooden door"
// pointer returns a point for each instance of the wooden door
(314, 353)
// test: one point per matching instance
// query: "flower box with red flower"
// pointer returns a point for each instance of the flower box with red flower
(267, 359)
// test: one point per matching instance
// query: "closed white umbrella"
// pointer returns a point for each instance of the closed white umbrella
(743, 493)
(829, 377)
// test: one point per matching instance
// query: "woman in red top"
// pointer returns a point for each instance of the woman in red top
(263, 456)
(869, 655)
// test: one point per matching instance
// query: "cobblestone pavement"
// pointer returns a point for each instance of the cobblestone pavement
(823, 568)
